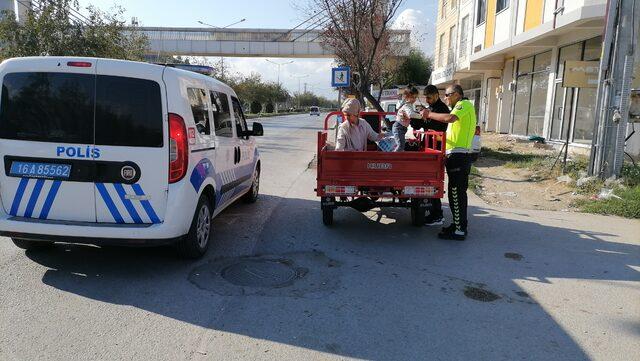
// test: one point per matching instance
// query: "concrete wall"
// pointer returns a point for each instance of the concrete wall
(478, 37)
(503, 26)
(521, 8)
(506, 101)
(571, 5)
(492, 105)
(549, 8)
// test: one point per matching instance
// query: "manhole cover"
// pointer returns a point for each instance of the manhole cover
(260, 273)
(479, 294)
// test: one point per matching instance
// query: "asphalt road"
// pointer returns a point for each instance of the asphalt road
(557, 286)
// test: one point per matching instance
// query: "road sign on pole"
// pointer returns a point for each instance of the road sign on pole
(341, 77)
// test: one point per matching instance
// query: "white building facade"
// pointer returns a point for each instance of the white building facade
(510, 61)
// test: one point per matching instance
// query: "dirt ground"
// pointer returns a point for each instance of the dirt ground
(518, 187)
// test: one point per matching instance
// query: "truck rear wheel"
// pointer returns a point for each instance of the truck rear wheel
(196, 242)
(31, 245)
(327, 216)
(417, 213)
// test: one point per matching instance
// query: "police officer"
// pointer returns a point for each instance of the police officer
(436, 105)
(458, 148)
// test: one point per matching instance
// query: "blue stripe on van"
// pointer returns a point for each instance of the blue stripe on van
(110, 205)
(146, 204)
(127, 203)
(51, 197)
(35, 194)
(17, 199)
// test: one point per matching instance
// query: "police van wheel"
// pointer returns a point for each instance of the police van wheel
(31, 245)
(254, 192)
(196, 242)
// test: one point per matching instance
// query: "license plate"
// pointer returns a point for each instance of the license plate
(40, 170)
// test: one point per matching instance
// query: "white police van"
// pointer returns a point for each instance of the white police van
(102, 151)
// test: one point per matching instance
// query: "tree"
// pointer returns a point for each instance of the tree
(256, 107)
(52, 28)
(416, 69)
(358, 32)
(308, 99)
(269, 108)
(252, 88)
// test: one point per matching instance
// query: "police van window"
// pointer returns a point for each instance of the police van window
(221, 114)
(241, 122)
(47, 107)
(200, 109)
(128, 112)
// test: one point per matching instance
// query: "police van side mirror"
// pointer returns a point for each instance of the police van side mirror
(257, 131)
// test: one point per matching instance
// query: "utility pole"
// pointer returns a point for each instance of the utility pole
(279, 65)
(299, 78)
(614, 89)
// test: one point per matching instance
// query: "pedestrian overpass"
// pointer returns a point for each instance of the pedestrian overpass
(237, 42)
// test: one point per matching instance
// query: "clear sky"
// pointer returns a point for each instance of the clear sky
(417, 15)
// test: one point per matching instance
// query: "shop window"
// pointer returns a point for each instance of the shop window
(585, 115)
(561, 117)
(571, 52)
(578, 108)
(531, 94)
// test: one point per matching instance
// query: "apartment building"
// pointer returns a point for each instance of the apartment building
(510, 61)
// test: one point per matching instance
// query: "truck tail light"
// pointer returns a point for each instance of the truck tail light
(178, 148)
(477, 130)
(340, 190)
(420, 191)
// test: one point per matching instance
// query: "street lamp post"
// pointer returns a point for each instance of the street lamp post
(299, 78)
(223, 27)
(279, 65)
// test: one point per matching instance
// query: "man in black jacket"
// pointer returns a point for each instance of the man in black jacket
(436, 105)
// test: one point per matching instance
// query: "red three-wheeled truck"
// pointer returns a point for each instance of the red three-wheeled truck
(373, 178)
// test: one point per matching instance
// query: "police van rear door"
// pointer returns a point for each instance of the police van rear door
(46, 138)
(131, 133)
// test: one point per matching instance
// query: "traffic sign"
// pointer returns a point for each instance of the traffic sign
(341, 77)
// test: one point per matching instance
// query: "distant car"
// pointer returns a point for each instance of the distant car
(314, 111)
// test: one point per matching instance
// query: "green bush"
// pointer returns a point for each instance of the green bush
(631, 175)
(255, 107)
(628, 205)
(269, 108)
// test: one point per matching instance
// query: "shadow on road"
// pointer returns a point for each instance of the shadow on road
(400, 292)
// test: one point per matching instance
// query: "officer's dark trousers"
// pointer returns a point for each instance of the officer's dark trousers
(458, 167)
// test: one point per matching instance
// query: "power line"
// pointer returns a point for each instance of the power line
(294, 28)
(320, 23)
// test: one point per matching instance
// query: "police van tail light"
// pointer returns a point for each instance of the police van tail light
(420, 191)
(340, 190)
(178, 148)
